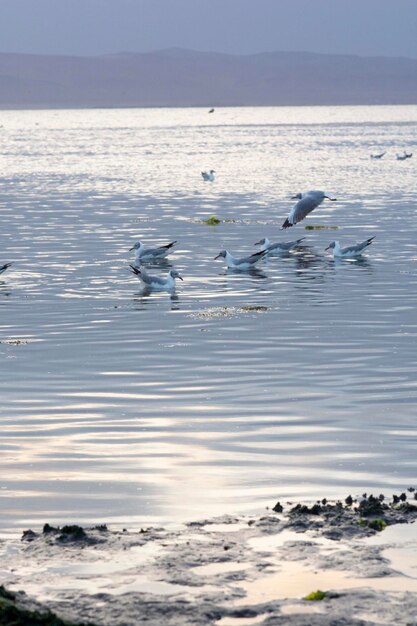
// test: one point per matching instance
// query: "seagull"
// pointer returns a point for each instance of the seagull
(350, 252)
(156, 282)
(208, 176)
(275, 249)
(211, 111)
(4, 267)
(307, 202)
(377, 155)
(148, 255)
(245, 263)
(405, 155)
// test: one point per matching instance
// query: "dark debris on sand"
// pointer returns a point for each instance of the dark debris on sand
(70, 534)
(352, 517)
(15, 610)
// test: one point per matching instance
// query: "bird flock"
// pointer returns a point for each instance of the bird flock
(306, 203)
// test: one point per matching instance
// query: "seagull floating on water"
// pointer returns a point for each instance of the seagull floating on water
(377, 155)
(405, 155)
(276, 249)
(208, 176)
(156, 282)
(307, 202)
(211, 111)
(350, 252)
(148, 255)
(245, 263)
(4, 267)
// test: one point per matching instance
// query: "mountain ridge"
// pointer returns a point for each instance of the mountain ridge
(181, 77)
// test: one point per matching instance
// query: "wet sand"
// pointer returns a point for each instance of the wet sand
(227, 571)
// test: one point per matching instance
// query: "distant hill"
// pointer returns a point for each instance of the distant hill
(177, 77)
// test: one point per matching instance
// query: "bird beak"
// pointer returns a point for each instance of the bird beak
(258, 243)
(130, 249)
(294, 198)
(216, 257)
(180, 277)
(332, 199)
(328, 248)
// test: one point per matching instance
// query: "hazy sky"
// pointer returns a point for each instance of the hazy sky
(90, 27)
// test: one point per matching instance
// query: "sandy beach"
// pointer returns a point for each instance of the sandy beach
(348, 562)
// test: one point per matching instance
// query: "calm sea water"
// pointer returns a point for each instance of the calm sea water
(120, 407)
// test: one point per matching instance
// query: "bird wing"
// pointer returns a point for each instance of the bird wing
(253, 258)
(358, 247)
(303, 207)
(167, 246)
(4, 267)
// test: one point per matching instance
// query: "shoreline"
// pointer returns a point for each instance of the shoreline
(226, 571)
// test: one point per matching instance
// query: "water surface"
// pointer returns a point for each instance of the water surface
(295, 381)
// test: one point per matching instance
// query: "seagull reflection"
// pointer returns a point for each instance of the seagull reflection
(145, 299)
(253, 272)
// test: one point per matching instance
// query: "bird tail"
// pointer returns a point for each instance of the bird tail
(300, 240)
(135, 270)
(287, 224)
(169, 245)
(4, 267)
(369, 241)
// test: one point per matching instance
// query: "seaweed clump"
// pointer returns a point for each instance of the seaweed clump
(212, 221)
(316, 596)
(70, 533)
(355, 516)
(14, 613)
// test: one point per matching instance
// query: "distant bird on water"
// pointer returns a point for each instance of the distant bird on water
(276, 249)
(208, 176)
(307, 202)
(404, 156)
(156, 282)
(377, 155)
(149, 255)
(245, 263)
(350, 252)
(4, 267)
(211, 111)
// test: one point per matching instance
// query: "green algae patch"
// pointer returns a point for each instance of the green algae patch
(316, 596)
(320, 227)
(13, 614)
(212, 221)
(377, 524)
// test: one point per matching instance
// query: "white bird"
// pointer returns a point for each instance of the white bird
(208, 176)
(377, 155)
(350, 252)
(276, 249)
(405, 155)
(307, 202)
(245, 263)
(148, 255)
(4, 267)
(156, 282)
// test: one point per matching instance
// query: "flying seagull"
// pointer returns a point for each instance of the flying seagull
(307, 202)
(208, 176)
(245, 263)
(156, 282)
(148, 255)
(350, 252)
